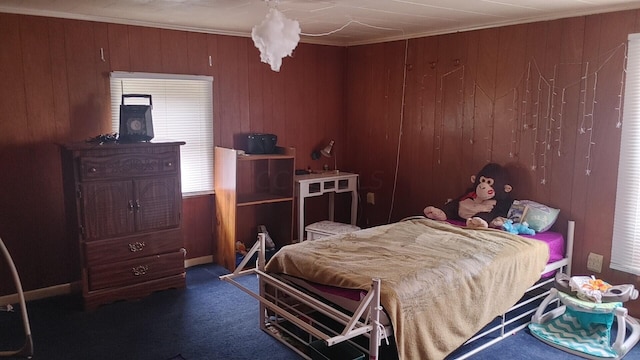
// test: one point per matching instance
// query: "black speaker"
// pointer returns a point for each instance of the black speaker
(135, 120)
(261, 143)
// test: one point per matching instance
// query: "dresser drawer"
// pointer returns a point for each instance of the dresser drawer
(131, 247)
(135, 271)
(127, 165)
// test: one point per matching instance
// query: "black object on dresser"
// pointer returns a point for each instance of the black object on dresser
(123, 203)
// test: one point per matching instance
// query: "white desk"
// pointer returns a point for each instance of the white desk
(322, 183)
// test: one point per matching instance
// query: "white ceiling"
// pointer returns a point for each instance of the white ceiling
(333, 22)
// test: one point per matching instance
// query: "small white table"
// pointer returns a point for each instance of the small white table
(329, 182)
(324, 228)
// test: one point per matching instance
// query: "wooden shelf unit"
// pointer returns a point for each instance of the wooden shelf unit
(252, 190)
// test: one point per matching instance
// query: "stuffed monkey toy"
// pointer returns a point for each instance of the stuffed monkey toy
(486, 203)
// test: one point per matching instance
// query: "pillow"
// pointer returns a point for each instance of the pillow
(516, 211)
(539, 217)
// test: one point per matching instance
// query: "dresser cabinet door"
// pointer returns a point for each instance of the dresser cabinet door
(107, 209)
(158, 203)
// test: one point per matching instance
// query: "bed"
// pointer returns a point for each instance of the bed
(425, 285)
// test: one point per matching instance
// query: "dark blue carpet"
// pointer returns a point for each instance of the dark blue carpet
(210, 319)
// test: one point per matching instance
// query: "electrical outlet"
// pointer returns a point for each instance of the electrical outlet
(371, 198)
(594, 262)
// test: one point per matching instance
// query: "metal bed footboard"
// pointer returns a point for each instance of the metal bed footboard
(288, 303)
(282, 307)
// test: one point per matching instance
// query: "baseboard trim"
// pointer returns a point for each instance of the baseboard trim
(56, 290)
(68, 288)
(198, 261)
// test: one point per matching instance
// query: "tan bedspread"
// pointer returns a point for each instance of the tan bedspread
(440, 284)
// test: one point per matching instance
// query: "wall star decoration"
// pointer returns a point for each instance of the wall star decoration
(536, 112)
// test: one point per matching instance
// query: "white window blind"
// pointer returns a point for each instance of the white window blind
(625, 248)
(182, 111)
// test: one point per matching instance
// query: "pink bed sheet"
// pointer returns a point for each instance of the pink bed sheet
(554, 240)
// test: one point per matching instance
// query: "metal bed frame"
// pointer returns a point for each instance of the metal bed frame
(291, 315)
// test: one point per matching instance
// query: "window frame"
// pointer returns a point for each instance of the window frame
(194, 117)
(625, 244)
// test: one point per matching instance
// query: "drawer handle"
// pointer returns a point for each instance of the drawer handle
(140, 270)
(138, 206)
(137, 246)
(93, 170)
(169, 164)
(130, 205)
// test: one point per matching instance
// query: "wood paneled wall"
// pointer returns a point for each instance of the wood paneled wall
(55, 75)
(543, 98)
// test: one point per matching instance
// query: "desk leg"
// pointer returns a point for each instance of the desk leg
(300, 218)
(354, 207)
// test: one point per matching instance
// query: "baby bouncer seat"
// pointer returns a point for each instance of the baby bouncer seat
(582, 326)
(27, 349)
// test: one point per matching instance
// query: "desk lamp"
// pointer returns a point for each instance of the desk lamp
(329, 152)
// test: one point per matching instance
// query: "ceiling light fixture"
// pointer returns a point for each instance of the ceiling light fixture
(276, 37)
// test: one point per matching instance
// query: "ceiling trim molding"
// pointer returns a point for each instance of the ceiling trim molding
(312, 39)
(105, 19)
(522, 21)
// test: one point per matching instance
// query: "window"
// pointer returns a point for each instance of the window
(182, 111)
(625, 247)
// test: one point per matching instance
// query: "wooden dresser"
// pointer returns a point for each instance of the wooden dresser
(123, 203)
